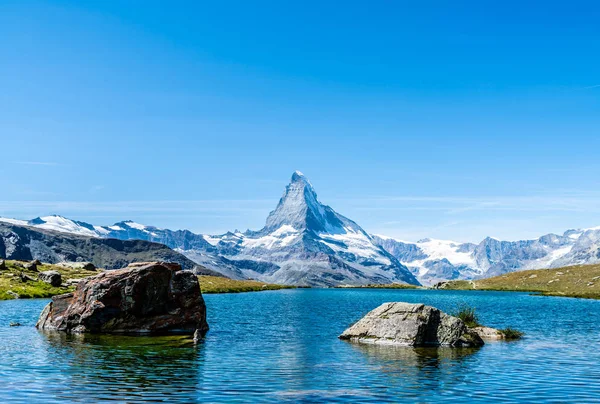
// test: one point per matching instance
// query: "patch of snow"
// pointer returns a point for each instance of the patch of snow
(381, 236)
(285, 229)
(14, 221)
(211, 240)
(440, 249)
(355, 243)
(101, 230)
(135, 225)
(560, 252)
(116, 228)
(62, 224)
(283, 236)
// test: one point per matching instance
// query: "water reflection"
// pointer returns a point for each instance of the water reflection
(131, 368)
(283, 346)
(437, 369)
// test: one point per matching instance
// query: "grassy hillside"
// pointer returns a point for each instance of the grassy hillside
(11, 284)
(576, 281)
(215, 284)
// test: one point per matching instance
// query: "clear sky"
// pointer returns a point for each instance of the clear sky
(451, 120)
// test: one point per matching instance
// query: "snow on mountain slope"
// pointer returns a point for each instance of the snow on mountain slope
(436, 260)
(13, 221)
(56, 223)
(305, 242)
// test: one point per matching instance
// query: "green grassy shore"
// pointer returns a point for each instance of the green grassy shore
(576, 281)
(12, 286)
(217, 284)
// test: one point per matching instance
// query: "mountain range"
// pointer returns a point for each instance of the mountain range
(20, 242)
(305, 242)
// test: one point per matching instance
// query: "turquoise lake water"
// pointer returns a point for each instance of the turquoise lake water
(282, 346)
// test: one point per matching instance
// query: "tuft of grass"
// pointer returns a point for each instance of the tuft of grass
(468, 315)
(511, 333)
(216, 284)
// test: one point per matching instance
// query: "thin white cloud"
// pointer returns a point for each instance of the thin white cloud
(39, 163)
(590, 87)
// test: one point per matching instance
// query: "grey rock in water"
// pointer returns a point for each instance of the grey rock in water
(52, 277)
(407, 324)
(488, 333)
(152, 298)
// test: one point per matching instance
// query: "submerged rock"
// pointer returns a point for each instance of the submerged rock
(147, 298)
(407, 324)
(52, 277)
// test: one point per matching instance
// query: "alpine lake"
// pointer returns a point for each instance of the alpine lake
(282, 346)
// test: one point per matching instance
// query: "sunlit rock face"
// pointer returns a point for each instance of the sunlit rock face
(407, 324)
(152, 298)
(307, 243)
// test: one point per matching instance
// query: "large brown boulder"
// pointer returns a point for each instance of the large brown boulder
(146, 298)
(408, 324)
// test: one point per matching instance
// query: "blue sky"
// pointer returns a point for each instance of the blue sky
(440, 119)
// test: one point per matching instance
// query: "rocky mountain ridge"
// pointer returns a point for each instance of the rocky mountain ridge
(305, 242)
(20, 242)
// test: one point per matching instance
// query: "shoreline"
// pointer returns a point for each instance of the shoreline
(13, 288)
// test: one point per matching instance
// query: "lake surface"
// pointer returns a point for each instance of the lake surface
(282, 346)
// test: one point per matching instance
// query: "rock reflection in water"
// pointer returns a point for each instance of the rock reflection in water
(438, 369)
(131, 368)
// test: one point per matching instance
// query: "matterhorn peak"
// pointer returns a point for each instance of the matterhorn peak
(300, 208)
(298, 177)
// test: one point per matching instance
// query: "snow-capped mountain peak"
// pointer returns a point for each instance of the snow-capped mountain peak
(300, 208)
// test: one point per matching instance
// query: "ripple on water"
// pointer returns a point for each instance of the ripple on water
(282, 346)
